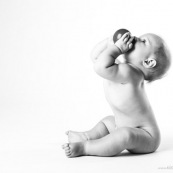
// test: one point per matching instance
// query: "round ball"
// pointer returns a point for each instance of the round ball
(118, 34)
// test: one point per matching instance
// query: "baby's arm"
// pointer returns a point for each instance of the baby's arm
(98, 49)
(105, 65)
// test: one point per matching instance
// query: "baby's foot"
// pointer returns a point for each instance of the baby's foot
(74, 149)
(76, 136)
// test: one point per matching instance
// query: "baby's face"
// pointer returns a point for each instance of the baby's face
(143, 48)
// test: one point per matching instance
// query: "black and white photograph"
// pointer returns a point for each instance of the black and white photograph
(86, 86)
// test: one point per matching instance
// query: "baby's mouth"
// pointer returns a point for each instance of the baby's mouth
(134, 40)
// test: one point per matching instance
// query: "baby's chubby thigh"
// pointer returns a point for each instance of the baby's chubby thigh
(143, 140)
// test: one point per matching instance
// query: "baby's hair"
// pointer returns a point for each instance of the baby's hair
(163, 58)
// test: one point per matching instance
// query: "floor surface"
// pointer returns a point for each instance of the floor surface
(32, 143)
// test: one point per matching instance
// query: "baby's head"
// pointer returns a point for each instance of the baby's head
(150, 55)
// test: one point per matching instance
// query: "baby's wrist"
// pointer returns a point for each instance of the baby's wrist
(113, 51)
(119, 50)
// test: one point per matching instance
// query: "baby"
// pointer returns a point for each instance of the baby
(133, 126)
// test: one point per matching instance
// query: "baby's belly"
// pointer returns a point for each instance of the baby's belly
(134, 120)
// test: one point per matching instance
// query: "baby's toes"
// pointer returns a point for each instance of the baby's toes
(67, 132)
(67, 149)
(68, 153)
(65, 146)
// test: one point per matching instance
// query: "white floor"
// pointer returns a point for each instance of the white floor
(30, 141)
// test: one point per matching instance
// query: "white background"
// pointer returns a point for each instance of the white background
(48, 86)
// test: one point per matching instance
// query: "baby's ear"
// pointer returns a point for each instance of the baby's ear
(149, 63)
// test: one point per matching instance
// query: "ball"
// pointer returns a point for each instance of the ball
(118, 34)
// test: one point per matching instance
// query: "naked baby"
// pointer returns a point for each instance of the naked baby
(133, 126)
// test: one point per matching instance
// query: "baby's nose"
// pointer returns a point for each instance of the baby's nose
(136, 38)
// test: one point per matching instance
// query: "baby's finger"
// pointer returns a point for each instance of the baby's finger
(130, 45)
(125, 35)
(130, 40)
(126, 39)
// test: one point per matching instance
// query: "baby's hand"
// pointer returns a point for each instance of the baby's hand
(125, 43)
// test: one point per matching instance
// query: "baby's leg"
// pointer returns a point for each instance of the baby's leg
(132, 139)
(108, 145)
(103, 128)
